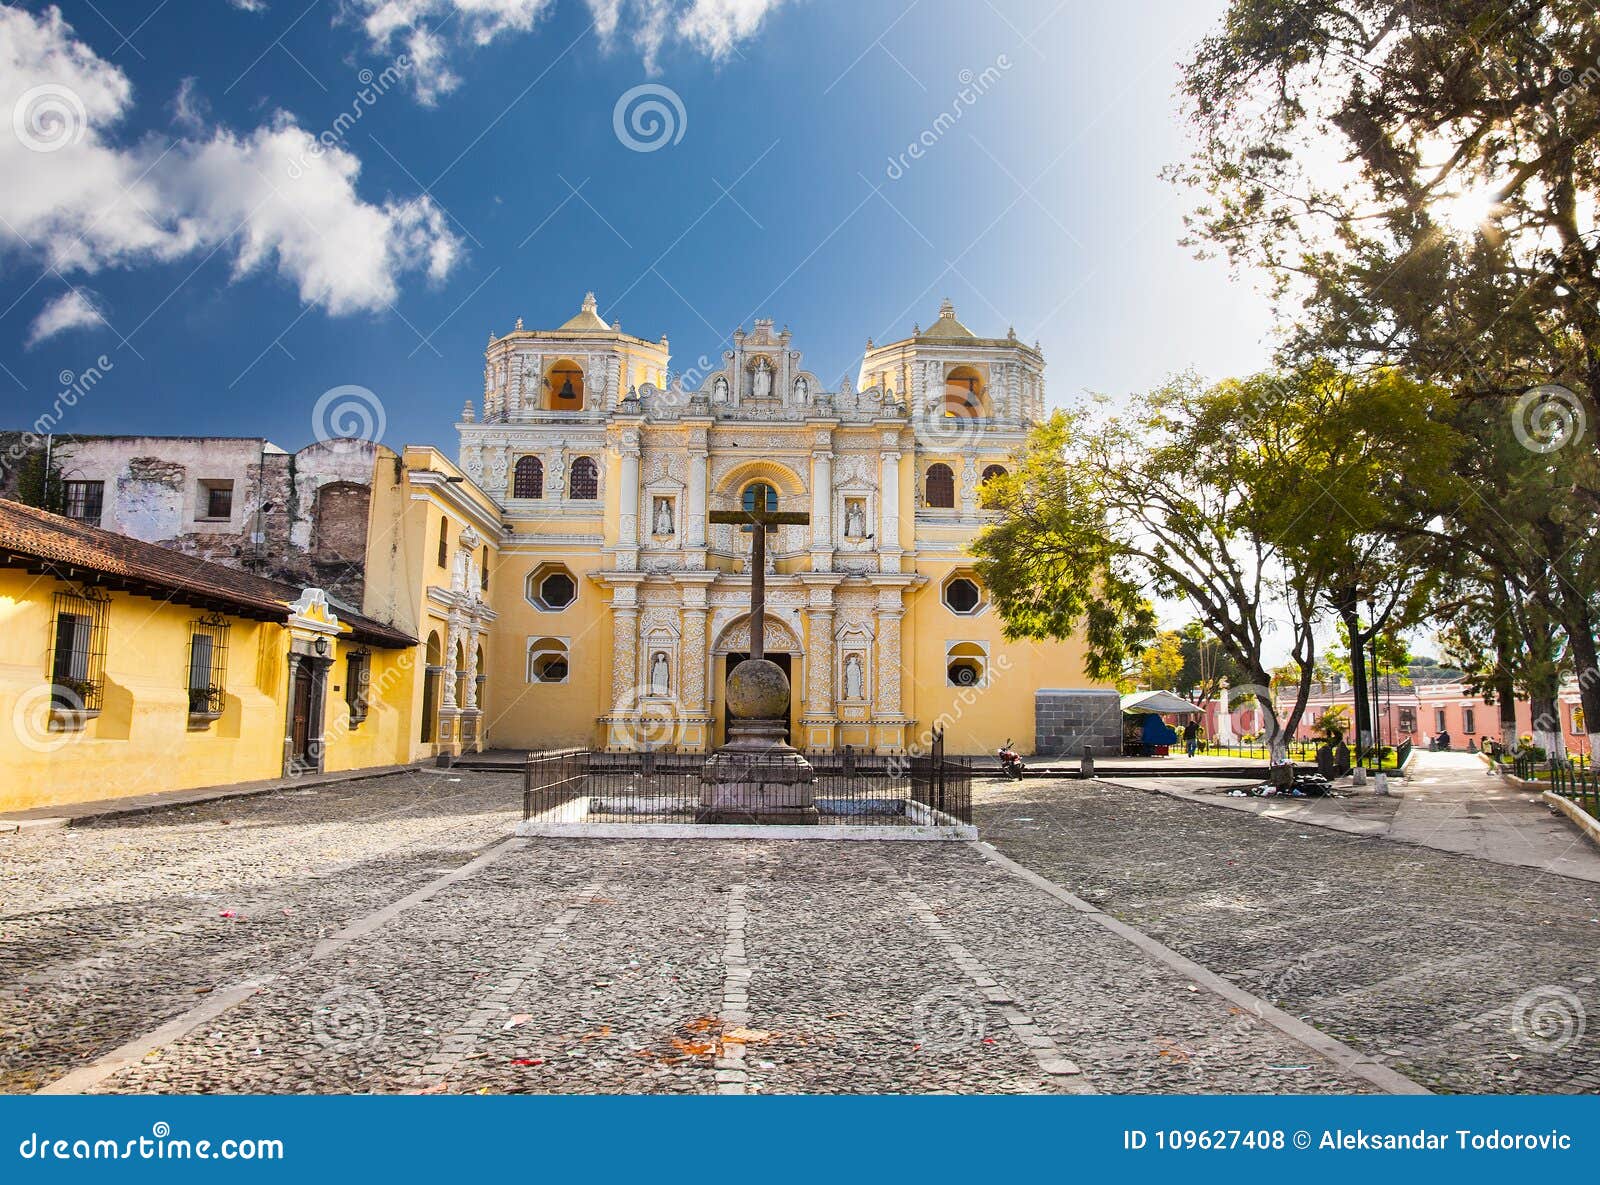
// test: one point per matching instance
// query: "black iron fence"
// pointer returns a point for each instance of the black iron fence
(1577, 784)
(583, 785)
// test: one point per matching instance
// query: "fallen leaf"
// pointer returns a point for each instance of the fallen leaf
(527, 1061)
(746, 1036)
(520, 1018)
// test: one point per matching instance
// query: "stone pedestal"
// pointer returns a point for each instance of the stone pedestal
(757, 777)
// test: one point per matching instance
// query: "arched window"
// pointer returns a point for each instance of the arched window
(985, 493)
(563, 386)
(941, 486)
(528, 480)
(547, 660)
(964, 393)
(483, 572)
(759, 494)
(585, 479)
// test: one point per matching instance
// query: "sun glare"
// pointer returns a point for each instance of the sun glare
(1467, 212)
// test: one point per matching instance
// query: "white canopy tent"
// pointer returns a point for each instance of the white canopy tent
(1162, 703)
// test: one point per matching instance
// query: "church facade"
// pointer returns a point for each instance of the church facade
(619, 608)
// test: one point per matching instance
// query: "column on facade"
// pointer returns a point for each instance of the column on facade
(822, 506)
(819, 657)
(447, 698)
(694, 515)
(624, 655)
(474, 638)
(888, 702)
(692, 659)
(628, 493)
(889, 511)
(969, 487)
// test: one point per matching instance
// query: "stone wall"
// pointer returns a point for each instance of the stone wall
(1066, 720)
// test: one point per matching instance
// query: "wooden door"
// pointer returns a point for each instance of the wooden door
(300, 742)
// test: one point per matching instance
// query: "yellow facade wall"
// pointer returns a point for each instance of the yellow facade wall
(141, 742)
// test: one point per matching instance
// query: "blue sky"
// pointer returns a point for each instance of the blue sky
(166, 203)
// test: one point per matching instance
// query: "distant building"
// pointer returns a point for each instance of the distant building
(240, 501)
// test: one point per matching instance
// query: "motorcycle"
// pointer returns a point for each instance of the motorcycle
(1440, 743)
(1010, 764)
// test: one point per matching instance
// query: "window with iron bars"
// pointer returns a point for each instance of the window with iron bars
(77, 660)
(83, 501)
(357, 680)
(208, 665)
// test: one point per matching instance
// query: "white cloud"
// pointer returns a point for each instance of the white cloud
(713, 27)
(424, 29)
(249, 5)
(428, 31)
(273, 197)
(716, 26)
(70, 310)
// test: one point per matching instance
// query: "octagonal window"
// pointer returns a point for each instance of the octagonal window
(962, 594)
(552, 588)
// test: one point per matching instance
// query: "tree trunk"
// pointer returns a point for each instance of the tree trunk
(1580, 640)
(1362, 717)
(1503, 681)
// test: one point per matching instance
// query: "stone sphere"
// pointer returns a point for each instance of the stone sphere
(758, 690)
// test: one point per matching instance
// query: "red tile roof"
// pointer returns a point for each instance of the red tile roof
(67, 549)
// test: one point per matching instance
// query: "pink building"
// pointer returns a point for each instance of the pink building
(1430, 707)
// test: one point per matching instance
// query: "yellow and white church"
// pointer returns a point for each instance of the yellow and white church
(619, 608)
(209, 611)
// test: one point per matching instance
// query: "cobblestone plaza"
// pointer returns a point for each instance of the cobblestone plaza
(387, 935)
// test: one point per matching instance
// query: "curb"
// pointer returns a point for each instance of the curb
(196, 797)
(1585, 822)
(1346, 1058)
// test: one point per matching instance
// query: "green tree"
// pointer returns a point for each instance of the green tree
(1172, 498)
(1421, 173)
(1161, 662)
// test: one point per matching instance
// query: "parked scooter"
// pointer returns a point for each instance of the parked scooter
(1440, 743)
(1010, 764)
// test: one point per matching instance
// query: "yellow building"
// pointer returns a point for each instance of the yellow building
(620, 608)
(128, 668)
(560, 584)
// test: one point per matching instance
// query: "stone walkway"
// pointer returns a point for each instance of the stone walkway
(386, 936)
(1463, 973)
(1450, 801)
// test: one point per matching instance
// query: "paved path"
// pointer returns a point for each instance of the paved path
(386, 935)
(1463, 973)
(1450, 801)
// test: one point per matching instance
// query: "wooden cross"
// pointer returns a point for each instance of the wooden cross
(765, 520)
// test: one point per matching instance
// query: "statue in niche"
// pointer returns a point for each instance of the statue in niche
(660, 678)
(663, 517)
(852, 677)
(762, 379)
(719, 389)
(855, 519)
(802, 389)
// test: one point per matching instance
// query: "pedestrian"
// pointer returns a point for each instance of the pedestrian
(1191, 736)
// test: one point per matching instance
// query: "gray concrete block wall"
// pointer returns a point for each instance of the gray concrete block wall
(1067, 719)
